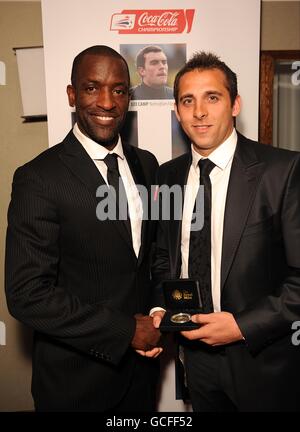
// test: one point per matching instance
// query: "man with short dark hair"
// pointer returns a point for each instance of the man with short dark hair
(82, 283)
(152, 67)
(246, 258)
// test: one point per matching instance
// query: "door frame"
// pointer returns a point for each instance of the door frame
(268, 60)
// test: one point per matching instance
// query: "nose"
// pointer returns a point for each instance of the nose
(105, 99)
(200, 110)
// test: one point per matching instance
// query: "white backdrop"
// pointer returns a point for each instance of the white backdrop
(229, 28)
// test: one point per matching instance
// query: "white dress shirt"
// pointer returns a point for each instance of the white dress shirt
(222, 157)
(97, 153)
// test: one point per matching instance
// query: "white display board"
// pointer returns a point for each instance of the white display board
(32, 80)
(229, 28)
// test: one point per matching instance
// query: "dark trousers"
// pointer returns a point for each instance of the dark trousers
(209, 379)
(142, 392)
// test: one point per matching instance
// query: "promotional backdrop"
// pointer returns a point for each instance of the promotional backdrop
(229, 28)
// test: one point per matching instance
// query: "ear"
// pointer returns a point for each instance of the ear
(71, 95)
(176, 112)
(141, 71)
(236, 109)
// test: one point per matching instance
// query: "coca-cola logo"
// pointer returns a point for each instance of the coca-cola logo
(153, 21)
(165, 19)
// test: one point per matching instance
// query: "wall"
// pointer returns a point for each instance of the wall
(280, 25)
(20, 25)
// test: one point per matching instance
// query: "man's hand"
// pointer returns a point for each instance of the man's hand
(155, 352)
(146, 336)
(217, 328)
(151, 353)
(157, 317)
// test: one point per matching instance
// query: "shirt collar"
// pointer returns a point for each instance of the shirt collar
(96, 151)
(222, 155)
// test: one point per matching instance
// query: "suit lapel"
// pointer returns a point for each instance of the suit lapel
(82, 166)
(177, 176)
(246, 172)
(134, 164)
(80, 163)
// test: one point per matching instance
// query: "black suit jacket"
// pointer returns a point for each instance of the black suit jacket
(142, 91)
(260, 270)
(76, 280)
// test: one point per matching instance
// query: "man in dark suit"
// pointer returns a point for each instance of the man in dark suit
(241, 358)
(82, 283)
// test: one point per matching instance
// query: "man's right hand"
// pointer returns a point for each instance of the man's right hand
(146, 336)
(157, 317)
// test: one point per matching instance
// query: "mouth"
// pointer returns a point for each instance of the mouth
(103, 119)
(202, 128)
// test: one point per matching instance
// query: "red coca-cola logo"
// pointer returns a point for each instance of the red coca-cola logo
(153, 21)
(166, 19)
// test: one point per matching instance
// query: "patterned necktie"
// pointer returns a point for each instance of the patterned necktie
(115, 180)
(200, 242)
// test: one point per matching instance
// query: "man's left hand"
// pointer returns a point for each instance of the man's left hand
(155, 352)
(218, 328)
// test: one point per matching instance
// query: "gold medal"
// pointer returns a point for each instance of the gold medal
(181, 318)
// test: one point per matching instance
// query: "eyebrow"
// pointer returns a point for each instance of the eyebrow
(187, 95)
(157, 61)
(215, 92)
(207, 93)
(93, 81)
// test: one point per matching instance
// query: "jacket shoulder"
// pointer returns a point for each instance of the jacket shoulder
(42, 162)
(175, 163)
(268, 153)
(145, 156)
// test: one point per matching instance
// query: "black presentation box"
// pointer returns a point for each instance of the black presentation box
(182, 299)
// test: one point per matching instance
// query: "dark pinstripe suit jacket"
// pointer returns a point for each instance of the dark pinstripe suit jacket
(75, 280)
(260, 269)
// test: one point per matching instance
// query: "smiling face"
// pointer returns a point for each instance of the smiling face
(101, 97)
(204, 109)
(154, 73)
